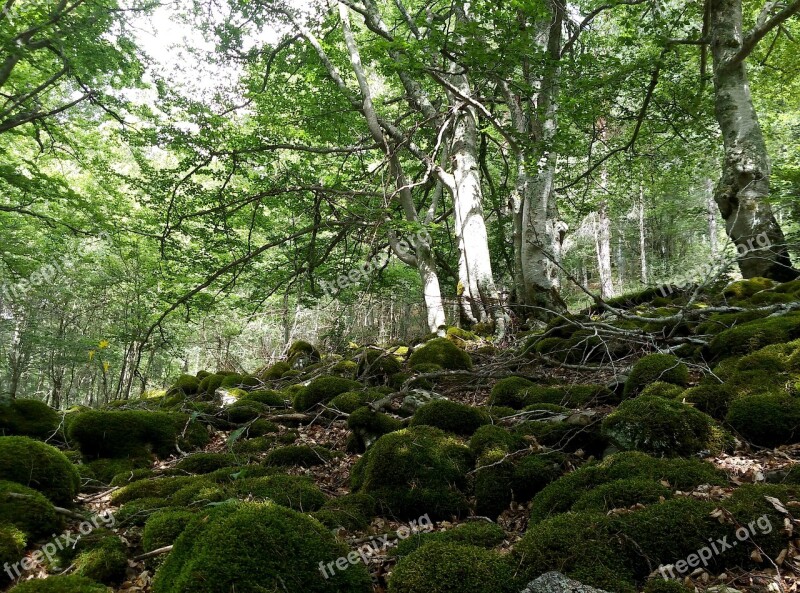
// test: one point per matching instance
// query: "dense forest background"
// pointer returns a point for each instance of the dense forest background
(193, 200)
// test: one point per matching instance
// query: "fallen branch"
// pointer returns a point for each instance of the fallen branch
(153, 553)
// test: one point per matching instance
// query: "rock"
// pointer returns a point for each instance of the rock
(416, 399)
(555, 582)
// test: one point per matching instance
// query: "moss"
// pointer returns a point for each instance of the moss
(443, 352)
(163, 528)
(124, 433)
(483, 534)
(351, 511)
(492, 436)
(136, 512)
(276, 371)
(253, 445)
(256, 547)
(660, 427)
(185, 384)
(367, 426)
(434, 568)
(192, 434)
(349, 401)
(662, 389)
(656, 367)
(266, 397)
(456, 333)
(754, 335)
(323, 390)
(622, 494)
(375, 365)
(742, 290)
(510, 392)
(39, 466)
(60, 584)
(304, 349)
(104, 470)
(204, 463)
(151, 488)
(451, 417)
(242, 411)
(298, 455)
(583, 546)
(12, 548)
(415, 471)
(718, 322)
(262, 427)
(565, 436)
(34, 515)
(106, 561)
(128, 477)
(713, 399)
(573, 396)
(210, 384)
(28, 417)
(766, 419)
(499, 412)
(345, 368)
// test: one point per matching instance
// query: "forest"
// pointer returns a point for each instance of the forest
(404, 296)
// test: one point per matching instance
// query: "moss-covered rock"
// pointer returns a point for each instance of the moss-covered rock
(242, 411)
(160, 487)
(415, 471)
(442, 352)
(60, 584)
(102, 557)
(272, 399)
(375, 365)
(367, 426)
(257, 547)
(451, 417)
(298, 455)
(742, 290)
(28, 417)
(349, 401)
(510, 392)
(186, 385)
(294, 492)
(39, 466)
(622, 494)
(136, 512)
(34, 514)
(204, 463)
(483, 534)
(163, 528)
(209, 385)
(105, 470)
(768, 419)
(662, 585)
(323, 390)
(712, 398)
(351, 512)
(754, 335)
(437, 566)
(124, 433)
(492, 436)
(12, 548)
(661, 427)
(665, 368)
(665, 390)
(276, 371)
(572, 396)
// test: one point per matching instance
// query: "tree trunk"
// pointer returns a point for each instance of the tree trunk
(744, 188)
(642, 236)
(711, 209)
(602, 236)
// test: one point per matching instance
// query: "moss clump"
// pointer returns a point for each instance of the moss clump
(38, 466)
(742, 290)
(367, 426)
(656, 367)
(105, 560)
(660, 427)
(415, 471)
(186, 385)
(12, 548)
(209, 385)
(261, 427)
(349, 401)
(151, 488)
(661, 389)
(273, 399)
(583, 546)
(451, 417)
(374, 365)
(766, 419)
(323, 390)
(253, 445)
(276, 371)
(351, 511)
(33, 515)
(299, 455)
(436, 566)
(301, 348)
(237, 381)
(128, 477)
(61, 584)
(104, 470)
(137, 511)
(163, 528)
(242, 411)
(256, 547)
(483, 534)
(510, 392)
(492, 436)
(572, 396)
(622, 494)
(566, 436)
(28, 417)
(295, 492)
(124, 433)
(754, 335)
(442, 352)
(204, 463)
(714, 399)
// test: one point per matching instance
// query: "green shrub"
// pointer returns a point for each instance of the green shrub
(660, 427)
(34, 515)
(204, 463)
(665, 390)
(39, 466)
(300, 455)
(656, 367)
(295, 492)
(437, 566)
(766, 419)
(622, 494)
(442, 352)
(323, 390)
(124, 433)
(163, 528)
(376, 365)
(60, 584)
(28, 417)
(510, 392)
(451, 417)
(415, 471)
(754, 335)
(256, 547)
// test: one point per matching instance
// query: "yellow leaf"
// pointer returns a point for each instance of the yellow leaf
(105, 366)
(104, 344)
(91, 355)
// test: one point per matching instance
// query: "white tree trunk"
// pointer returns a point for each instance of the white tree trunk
(642, 235)
(603, 250)
(711, 212)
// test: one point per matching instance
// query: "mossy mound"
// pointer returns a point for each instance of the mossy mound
(661, 427)
(260, 428)
(768, 419)
(661, 585)
(351, 512)
(482, 534)
(572, 396)
(105, 470)
(441, 352)
(294, 492)
(298, 455)
(323, 390)
(492, 436)
(251, 548)
(163, 527)
(125, 433)
(242, 411)
(437, 566)
(302, 354)
(136, 512)
(34, 515)
(754, 335)
(161, 487)
(510, 392)
(253, 445)
(374, 365)
(742, 290)
(185, 385)
(267, 397)
(665, 368)
(102, 557)
(349, 401)
(680, 474)
(499, 480)
(622, 494)
(237, 381)
(367, 426)
(415, 471)
(60, 584)
(12, 548)
(712, 398)
(39, 466)
(566, 436)
(209, 385)
(28, 417)
(665, 390)
(451, 417)
(204, 463)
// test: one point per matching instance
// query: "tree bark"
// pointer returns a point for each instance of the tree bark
(744, 188)
(711, 209)
(642, 235)
(602, 235)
